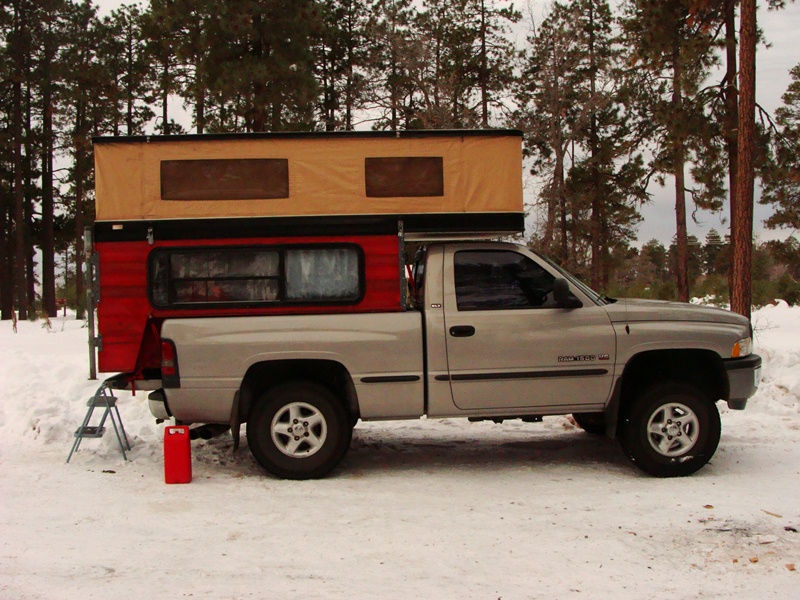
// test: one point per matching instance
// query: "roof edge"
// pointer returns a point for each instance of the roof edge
(287, 135)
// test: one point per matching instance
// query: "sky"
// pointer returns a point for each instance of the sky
(774, 60)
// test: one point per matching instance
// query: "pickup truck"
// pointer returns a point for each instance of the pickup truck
(488, 331)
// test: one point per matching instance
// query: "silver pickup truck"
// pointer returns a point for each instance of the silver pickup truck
(492, 331)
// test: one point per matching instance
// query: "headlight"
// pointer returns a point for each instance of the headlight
(742, 348)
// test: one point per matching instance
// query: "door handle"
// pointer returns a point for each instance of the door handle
(462, 330)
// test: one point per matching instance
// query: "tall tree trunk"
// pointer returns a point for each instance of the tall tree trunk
(394, 95)
(484, 73)
(48, 221)
(19, 194)
(48, 224)
(349, 96)
(165, 96)
(30, 251)
(597, 219)
(681, 237)
(731, 115)
(560, 198)
(277, 109)
(199, 99)
(742, 219)
(6, 252)
(681, 241)
(130, 100)
(80, 161)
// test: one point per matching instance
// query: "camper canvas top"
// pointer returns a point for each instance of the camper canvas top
(437, 182)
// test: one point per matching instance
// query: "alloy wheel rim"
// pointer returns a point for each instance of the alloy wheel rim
(299, 430)
(673, 429)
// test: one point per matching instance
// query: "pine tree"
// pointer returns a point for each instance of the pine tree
(48, 69)
(82, 111)
(573, 95)
(445, 71)
(781, 176)
(393, 59)
(672, 44)
(340, 61)
(19, 43)
(715, 252)
(547, 95)
(123, 53)
(187, 27)
(494, 54)
(260, 63)
(162, 39)
(6, 162)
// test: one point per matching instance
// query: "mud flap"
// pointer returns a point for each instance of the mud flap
(235, 422)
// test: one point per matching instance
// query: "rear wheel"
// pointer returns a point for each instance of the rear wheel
(671, 430)
(299, 430)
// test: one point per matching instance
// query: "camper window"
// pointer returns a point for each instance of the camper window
(182, 277)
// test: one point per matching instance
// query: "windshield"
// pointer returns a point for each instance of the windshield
(596, 298)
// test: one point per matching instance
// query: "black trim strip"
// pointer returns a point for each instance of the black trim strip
(255, 227)
(752, 361)
(294, 135)
(522, 375)
(390, 379)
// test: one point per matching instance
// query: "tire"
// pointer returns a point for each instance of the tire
(671, 430)
(594, 423)
(299, 430)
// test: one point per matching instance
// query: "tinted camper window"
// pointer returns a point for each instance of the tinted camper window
(195, 277)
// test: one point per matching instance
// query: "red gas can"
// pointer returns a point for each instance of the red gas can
(177, 455)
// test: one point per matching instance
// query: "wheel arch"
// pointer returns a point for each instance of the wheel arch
(265, 375)
(702, 368)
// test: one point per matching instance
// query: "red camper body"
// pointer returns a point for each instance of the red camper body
(129, 324)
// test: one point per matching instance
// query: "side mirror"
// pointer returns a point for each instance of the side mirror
(563, 297)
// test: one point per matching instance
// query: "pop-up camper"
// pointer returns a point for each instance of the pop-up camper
(282, 223)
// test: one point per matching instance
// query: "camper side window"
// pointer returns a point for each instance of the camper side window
(184, 278)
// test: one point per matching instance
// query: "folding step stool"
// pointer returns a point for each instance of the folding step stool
(103, 398)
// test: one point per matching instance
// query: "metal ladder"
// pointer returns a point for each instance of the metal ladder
(103, 398)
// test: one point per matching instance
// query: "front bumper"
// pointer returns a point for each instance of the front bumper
(744, 375)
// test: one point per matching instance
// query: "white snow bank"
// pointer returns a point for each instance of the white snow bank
(777, 340)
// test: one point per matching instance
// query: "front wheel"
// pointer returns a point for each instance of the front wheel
(671, 430)
(299, 430)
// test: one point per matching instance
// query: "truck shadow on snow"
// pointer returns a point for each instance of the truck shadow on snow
(402, 448)
(497, 451)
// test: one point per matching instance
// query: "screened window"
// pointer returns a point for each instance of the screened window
(499, 280)
(225, 179)
(248, 276)
(402, 177)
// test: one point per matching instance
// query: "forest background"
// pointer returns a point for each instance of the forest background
(612, 98)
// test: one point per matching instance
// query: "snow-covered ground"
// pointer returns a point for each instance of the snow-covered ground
(418, 509)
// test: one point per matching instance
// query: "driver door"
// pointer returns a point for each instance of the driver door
(510, 346)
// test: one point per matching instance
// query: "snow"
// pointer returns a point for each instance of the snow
(418, 509)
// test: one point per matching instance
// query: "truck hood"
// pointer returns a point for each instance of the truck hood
(629, 310)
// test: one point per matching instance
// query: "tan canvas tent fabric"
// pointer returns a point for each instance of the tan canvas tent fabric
(147, 179)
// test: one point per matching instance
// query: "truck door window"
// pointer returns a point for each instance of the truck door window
(500, 280)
